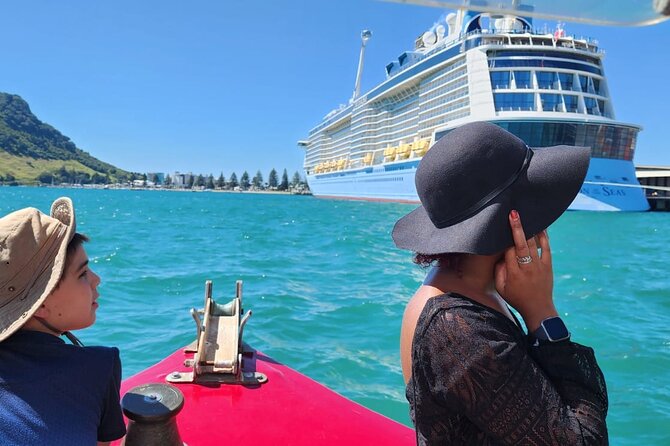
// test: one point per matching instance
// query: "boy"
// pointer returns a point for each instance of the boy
(51, 392)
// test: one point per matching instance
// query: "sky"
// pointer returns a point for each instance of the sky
(225, 86)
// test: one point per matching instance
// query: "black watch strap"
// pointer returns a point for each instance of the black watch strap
(551, 330)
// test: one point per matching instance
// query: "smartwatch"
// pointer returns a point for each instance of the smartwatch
(551, 329)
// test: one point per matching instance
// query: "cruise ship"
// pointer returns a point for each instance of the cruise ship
(546, 87)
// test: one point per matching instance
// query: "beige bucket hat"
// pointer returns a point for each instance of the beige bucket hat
(33, 247)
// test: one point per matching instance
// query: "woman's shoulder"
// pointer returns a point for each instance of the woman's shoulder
(459, 314)
(453, 303)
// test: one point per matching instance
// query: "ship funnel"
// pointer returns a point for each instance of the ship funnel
(365, 36)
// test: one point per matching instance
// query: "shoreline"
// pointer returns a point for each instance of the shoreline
(114, 187)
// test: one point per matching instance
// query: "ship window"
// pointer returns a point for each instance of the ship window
(589, 137)
(532, 53)
(551, 102)
(583, 82)
(514, 101)
(547, 80)
(500, 79)
(570, 103)
(590, 86)
(504, 63)
(601, 106)
(596, 86)
(522, 79)
(566, 80)
(591, 106)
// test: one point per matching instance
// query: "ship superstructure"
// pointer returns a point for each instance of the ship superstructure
(548, 88)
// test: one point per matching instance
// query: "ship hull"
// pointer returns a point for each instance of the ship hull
(610, 185)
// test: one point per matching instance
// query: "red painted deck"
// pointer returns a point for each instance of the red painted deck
(290, 409)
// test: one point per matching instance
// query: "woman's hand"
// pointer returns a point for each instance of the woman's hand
(525, 278)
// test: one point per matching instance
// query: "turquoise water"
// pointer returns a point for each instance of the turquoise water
(328, 288)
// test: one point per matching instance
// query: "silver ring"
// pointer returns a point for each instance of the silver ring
(525, 260)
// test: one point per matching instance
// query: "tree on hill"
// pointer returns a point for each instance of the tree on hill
(232, 184)
(296, 179)
(244, 180)
(210, 182)
(96, 178)
(122, 178)
(221, 181)
(272, 179)
(284, 181)
(45, 178)
(8, 179)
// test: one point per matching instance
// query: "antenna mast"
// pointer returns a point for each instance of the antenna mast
(365, 36)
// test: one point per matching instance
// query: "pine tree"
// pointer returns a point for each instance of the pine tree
(168, 180)
(296, 179)
(258, 180)
(200, 182)
(191, 180)
(232, 184)
(273, 180)
(244, 180)
(210, 182)
(284, 181)
(221, 181)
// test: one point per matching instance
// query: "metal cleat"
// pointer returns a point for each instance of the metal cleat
(218, 346)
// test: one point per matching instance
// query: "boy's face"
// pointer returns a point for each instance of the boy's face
(72, 305)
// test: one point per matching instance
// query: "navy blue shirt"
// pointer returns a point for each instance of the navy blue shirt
(56, 393)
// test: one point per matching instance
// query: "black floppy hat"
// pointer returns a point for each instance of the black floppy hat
(470, 180)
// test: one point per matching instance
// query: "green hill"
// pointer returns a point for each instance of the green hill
(32, 151)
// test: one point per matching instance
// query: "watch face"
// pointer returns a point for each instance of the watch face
(556, 329)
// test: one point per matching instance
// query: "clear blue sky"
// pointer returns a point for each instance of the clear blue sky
(211, 86)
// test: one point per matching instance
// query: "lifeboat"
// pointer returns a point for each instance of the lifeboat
(404, 151)
(222, 391)
(367, 159)
(420, 147)
(389, 154)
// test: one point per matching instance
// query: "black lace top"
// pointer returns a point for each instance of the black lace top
(476, 380)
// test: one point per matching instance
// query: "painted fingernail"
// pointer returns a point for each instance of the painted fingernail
(514, 214)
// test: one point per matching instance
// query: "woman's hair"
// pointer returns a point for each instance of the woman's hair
(450, 260)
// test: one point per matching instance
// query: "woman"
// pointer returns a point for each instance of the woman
(473, 375)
